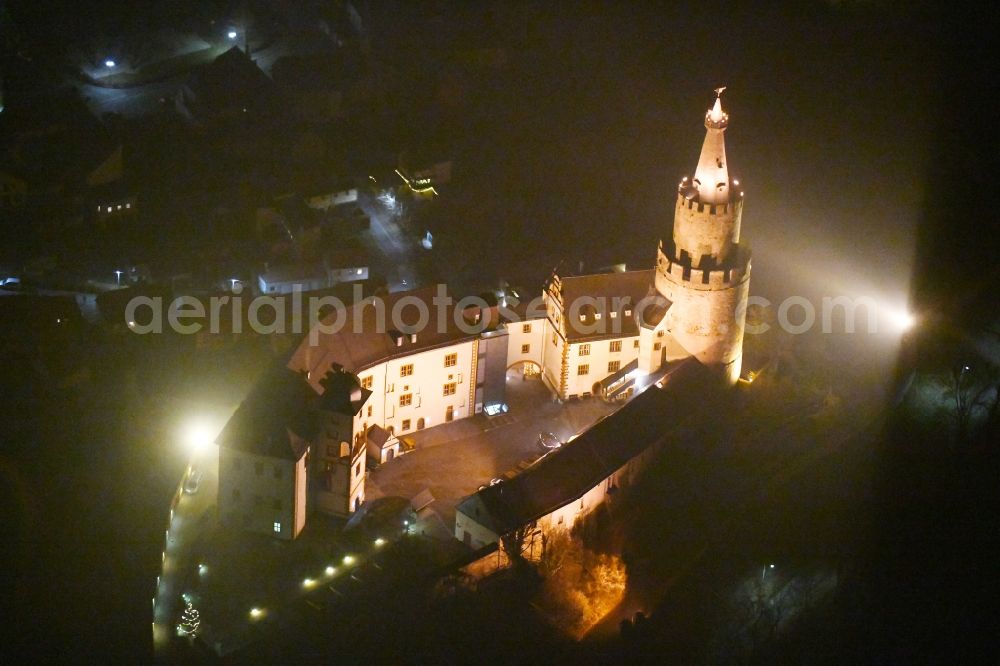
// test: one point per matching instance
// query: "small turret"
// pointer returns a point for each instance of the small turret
(711, 178)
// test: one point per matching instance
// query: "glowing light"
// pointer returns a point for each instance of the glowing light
(256, 613)
(348, 560)
(902, 320)
(231, 34)
(330, 571)
(198, 435)
(379, 542)
(308, 583)
(109, 63)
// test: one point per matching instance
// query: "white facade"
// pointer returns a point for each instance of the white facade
(418, 391)
(262, 494)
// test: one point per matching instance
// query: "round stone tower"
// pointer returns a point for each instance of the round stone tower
(703, 270)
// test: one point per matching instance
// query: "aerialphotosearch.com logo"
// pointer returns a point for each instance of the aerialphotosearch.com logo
(413, 312)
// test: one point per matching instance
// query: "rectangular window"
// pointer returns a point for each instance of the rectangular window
(366, 382)
(613, 314)
(616, 345)
(406, 370)
(656, 346)
(614, 366)
(525, 349)
(659, 333)
(405, 399)
(635, 343)
(405, 425)
(526, 328)
(628, 312)
(449, 389)
(369, 410)
(585, 350)
(583, 369)
(450, 360)
(357, 470)
(277, 527)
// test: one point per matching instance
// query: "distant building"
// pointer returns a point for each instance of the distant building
(285, 279)
(227, 87)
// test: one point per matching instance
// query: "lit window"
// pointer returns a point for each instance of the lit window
(406, 370)
(526, 328)
(450, 360)
(628, 312)
(659, 333)
(585, 350)
(525, 349)
(449, 389)
(366, 382)
(613, 314)
(597, 315)
(614, 366)
(583, 369)
(656, 346)
(616, 345)
(405, 425)
(405, 399)
(277, 527)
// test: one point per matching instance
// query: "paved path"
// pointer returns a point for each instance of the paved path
(187, 521)
(454, 459)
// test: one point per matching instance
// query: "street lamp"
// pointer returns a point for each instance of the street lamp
(764, 571)
(118, 276)
(231, 34)
(198, 435)
(109, 63)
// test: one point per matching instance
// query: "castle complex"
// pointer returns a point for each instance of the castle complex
(302, 440)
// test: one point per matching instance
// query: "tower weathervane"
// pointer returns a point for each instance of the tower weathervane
(718, 91)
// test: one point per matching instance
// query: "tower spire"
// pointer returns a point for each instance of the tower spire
(711, 178)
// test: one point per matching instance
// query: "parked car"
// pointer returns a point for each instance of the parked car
(549, 441)
(192, 482)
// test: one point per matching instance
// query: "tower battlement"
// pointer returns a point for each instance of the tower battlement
(708, 279)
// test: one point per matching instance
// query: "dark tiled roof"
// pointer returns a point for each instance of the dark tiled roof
(629, 287)
(342, 394)
(364, 341)
(275, 420)
(568, 473)
(230, 80)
